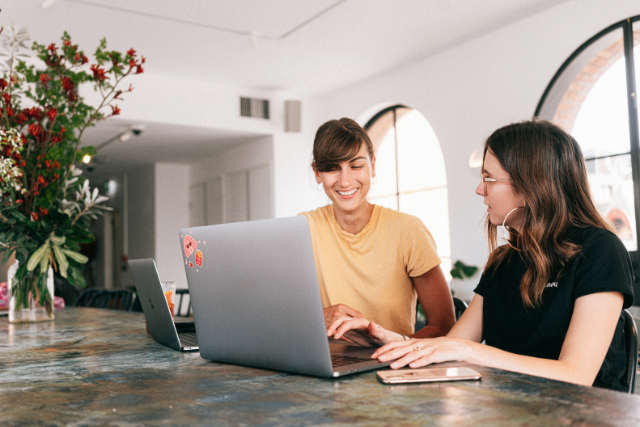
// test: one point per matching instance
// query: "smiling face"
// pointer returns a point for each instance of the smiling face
(501, 196)
(348, 183)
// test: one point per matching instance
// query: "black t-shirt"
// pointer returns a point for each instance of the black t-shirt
(602, 265)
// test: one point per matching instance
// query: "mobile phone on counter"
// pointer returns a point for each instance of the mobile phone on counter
(404, 376)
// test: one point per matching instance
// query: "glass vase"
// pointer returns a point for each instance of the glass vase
(24, 301)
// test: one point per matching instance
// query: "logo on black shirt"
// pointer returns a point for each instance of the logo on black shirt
(552, 285)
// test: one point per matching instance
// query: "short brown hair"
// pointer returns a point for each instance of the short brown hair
(337, 141)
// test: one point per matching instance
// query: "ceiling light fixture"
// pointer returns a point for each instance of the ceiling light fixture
(123, 136)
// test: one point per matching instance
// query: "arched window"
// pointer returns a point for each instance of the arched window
(593, 97)
(410, 172)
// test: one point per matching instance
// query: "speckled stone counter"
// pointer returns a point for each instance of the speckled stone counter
(99, 367)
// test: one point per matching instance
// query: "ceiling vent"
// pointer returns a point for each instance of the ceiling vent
(252, 107)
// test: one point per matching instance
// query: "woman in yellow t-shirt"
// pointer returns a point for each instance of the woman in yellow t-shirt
(373, 263)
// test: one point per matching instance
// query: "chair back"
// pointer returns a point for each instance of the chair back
(631, 342)
(84, 299)
(459, 307)
(111, 299)
(181, 293)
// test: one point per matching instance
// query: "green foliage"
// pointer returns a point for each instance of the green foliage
(45, 218)
(461, 270)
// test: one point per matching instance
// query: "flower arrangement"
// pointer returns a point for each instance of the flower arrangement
(47, 205)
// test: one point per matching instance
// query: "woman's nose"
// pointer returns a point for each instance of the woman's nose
(480, 189)
(345, 177)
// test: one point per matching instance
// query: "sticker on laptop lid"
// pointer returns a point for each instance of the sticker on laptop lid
(199, 258)
(190, 246)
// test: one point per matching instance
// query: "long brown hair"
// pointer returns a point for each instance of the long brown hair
(548, 170)
(337, 141)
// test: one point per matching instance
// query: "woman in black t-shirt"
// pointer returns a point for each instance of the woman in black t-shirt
(549, 302)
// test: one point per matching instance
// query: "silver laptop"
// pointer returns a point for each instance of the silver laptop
(256, 299)
(180, 335)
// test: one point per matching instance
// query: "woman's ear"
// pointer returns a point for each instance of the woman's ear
(373, 166)
(316, 173)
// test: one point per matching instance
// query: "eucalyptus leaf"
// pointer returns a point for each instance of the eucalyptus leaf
(77, 257)
(63, 263)
(37, 256)
(57, 240)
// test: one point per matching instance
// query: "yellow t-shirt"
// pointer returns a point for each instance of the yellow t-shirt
(370, 271)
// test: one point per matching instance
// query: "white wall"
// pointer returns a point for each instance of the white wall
(465, 92)
(171, 213)
(141, 217)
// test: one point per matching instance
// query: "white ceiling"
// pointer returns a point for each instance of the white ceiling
(305, 46)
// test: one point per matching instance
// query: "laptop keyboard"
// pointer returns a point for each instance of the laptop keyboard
(188, 339)
(340, 360)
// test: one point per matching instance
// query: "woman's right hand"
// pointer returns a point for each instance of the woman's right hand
(339, 311)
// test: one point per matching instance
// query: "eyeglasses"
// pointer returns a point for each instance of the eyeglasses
(486, 180)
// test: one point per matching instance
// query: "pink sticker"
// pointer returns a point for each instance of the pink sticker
(190, 246)
(199, 258)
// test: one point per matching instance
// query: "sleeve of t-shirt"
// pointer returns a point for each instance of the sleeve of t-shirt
(480, 289)
(604, 266)
(419, 248)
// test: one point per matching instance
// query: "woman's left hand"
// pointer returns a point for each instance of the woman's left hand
(416, 353)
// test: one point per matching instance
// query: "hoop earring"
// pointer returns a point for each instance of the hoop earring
(320, 187)
(503, 226)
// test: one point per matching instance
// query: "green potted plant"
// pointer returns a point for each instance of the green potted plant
(47, 205)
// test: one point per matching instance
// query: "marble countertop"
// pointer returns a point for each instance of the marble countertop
(99, 367)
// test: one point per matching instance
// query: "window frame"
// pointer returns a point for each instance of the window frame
(626, 26)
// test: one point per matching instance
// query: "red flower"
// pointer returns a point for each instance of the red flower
(140, 70)
(52, 47)
(99, 73)
(43, 211)
(132, 63)
(41, 181)
(20, 118)
(55, 176)
(34, 112)
(67, 43)
(131, 52)
(84, 59)
(51, 114)
(7, 98)
(44, 78)
(115, 110)
(9, 112)
(143, 60)
(18, 201)
(34, 215)
(130, 88)
(35, 130)
(3, 84)
(67, 84)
